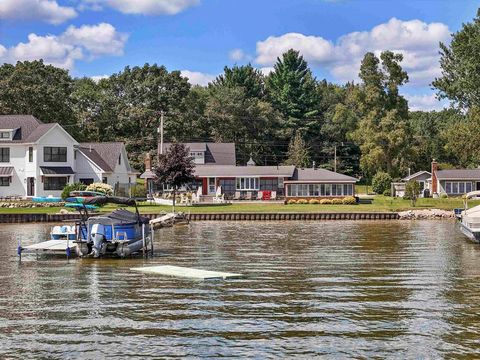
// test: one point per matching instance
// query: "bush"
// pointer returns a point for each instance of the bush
(337, 201)
(326, 201)
(349, 200)
(387, 192)
(138, 191)
(292, 201)
(72, 187)
(381, 182)
(412, 191)
(101, 187)
(444, 196)
(302, 201)
(313, 201)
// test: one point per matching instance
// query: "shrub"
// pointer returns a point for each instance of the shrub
(381, 182)
(326, 201)
(387, 192)
(412, 191)
(292, 201)
(72, 187)
(337, 201)
(302, 201)
(444, 196)
(349, 200)
(138, 191)
(101, 187)
(313, 201)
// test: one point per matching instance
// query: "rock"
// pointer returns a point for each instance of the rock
(423, 214)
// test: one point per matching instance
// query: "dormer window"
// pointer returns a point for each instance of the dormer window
(198, 157)
(5, 135)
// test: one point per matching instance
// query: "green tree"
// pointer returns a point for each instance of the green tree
(33, 88)
(176, 168)
(291, 89)
(460, 80)
(247, 121)
(412, 191)
(383, 132)
(247, 77)
(381, 182)
(298, 152)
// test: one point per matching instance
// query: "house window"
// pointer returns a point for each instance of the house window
(228, 186)
(87, 181)
(320, 190)
(269, 184)
(458, 187)
(55, 154)
(4, 135)
(54, 183)
(247, 183)
(104, 180)
(5, 155)
(30, 154)
(4, 181)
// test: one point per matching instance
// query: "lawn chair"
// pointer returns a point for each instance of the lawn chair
(248, 196)
(237, 196)
(260, 195)
(273, 195)
(219, 197)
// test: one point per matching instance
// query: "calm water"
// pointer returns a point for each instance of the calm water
(332, 289)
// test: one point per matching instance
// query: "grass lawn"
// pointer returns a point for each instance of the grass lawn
(380, 203)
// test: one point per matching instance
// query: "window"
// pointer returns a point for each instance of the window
(458, 187)
(86, 181)
(55, 154)
(5, 155)
(30, 154)
(247, 183)
(5, 135)
(269, 184)
(4, 181)
(104, 180)
(54, 183)
(228, 186)
(303, 190)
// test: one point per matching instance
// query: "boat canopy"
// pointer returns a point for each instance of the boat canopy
(102, 200)
(120, 216)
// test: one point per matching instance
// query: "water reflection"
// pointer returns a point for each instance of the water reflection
(340, 289)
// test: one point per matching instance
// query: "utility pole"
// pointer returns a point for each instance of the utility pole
(335, 160)
(160, 130)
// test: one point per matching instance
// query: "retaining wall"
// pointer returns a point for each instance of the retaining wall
(28, 218)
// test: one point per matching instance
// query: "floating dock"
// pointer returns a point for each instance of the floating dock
(184, 272)
(53, 246)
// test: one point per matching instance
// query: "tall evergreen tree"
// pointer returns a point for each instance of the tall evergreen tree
(298, 152)
(291, 88)
(251, 80)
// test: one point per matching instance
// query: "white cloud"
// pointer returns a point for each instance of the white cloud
(144, 7)
(239, 55)
(43, 10)
(198, 78)
(425, 102)
(416, 40)
(83, 43)
(97, 78)
(266, 70)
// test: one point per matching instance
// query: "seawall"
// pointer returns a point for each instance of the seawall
(32, 218)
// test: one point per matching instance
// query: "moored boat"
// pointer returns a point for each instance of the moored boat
(119, 233)
(469, 219)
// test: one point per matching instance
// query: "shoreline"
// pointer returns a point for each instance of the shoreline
(419, 214)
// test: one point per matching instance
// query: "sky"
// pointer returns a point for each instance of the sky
(96, 38)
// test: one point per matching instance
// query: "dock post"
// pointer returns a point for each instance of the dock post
(143, 240)
(152, 238)
(19, 249)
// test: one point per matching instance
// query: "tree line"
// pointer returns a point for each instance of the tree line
(285, 117)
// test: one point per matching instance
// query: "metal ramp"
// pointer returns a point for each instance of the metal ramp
(50, 246)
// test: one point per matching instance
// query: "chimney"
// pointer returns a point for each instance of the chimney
(148, 162)
(434, 177)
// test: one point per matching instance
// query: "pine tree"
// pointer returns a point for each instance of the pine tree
(298, 152)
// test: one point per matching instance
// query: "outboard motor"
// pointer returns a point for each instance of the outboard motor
(97, 235)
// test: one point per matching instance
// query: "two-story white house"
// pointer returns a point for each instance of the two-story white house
(38, 159)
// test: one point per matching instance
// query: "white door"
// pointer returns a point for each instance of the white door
(212, 189)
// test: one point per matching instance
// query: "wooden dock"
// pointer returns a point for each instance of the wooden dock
(184, 272)
(55, 246)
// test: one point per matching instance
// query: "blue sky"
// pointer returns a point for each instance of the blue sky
(199, 37)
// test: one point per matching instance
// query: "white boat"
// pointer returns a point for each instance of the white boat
(469, 219)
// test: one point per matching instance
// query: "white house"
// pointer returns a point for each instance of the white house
(38, 159)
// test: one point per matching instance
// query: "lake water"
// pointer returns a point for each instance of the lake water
(395, 289)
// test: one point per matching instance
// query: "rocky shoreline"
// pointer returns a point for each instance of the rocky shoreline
(426, 214)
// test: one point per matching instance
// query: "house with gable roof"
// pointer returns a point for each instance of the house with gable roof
(38, 159)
